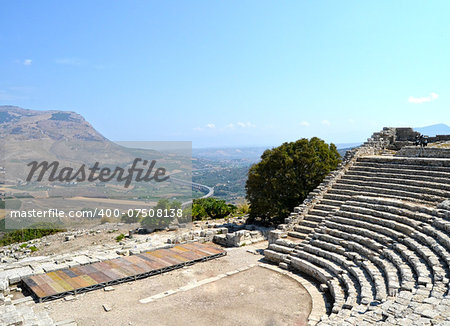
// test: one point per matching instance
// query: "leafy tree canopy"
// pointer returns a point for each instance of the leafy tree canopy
(285, 175)
(162, 216)
(213, 208)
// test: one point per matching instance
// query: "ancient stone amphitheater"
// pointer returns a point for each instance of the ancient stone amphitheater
(375, 235)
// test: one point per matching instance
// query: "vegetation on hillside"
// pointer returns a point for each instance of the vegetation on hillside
(284, 177)
(163, 214)
(227, 177)
(205, 208)
(22, 235)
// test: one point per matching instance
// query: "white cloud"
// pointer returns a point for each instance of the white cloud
(304, 123)
(351, 121)
(197, 129)
(245, 124)
(27, 62)
(211, 125)
(326, 123)
(418, 100)
(230, 126)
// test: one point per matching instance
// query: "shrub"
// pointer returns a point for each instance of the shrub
(37, 231)
(213, 208)
(161, 222)
(120, 237)
(134, 218)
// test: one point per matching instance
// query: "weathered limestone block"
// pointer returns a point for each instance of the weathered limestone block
(274, 235)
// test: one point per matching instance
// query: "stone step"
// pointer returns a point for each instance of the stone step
(426, 232)
(398, 176)
(354, 190)
(336, 196)
(419, 162)
(274, 256)
(303, 229)
(347, 288)
(318, 212)
(367, 275)
(355, 285)
(331, 202)
(311, 222)
(429, 249)
(413, 252)
(389, 272)
(313, 218)
(407, 276)
(437, 189)
(297, 235)
(398, 171)
(323, 276)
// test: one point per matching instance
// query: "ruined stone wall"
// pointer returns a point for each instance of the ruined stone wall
(439, 138)
(415, 151)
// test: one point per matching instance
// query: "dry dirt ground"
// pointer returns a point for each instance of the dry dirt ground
(256, 296)
(106, 236)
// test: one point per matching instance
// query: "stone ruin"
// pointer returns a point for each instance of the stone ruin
(374, 237)
(375, 234)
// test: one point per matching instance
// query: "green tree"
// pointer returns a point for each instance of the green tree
(131, 217)
(204, 208)
(162, 216)
(285, 175)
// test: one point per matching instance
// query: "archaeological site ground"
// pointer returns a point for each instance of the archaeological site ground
(369, 246)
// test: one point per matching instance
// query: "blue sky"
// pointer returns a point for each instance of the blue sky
(230, 73)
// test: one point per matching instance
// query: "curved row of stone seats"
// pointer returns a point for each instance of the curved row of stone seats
(361, 288)
(361, 276)
(439, 178)
(386, 190)
(429, 230)
(349, 285)
(428, 182)
(418, 306)
(381, 246)
(377, 233)
(392, 238)
(417, 187)
(398, 171)
(416, 163)
(439, 285)
(437, 188)
(320, 270)
(406, 261)
(322, 275)
(340, 285)
(366, 250)
(366, 274)
(404, 220)
(311, 220)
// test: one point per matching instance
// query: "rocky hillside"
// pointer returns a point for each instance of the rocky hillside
(20, 124)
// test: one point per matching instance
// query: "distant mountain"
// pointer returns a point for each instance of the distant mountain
(21, 124)
(433, 130)
(30, 135)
